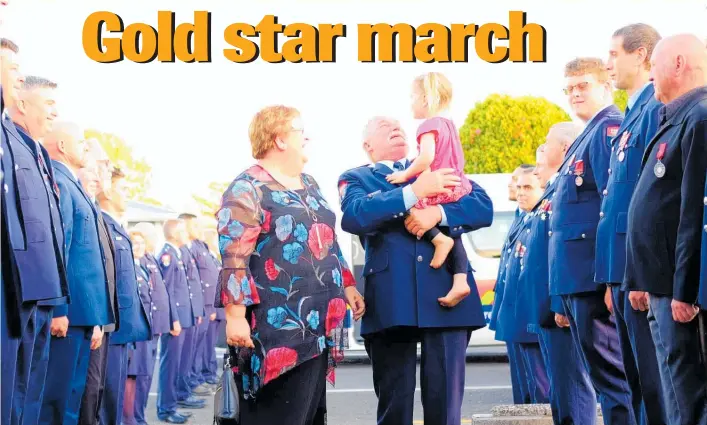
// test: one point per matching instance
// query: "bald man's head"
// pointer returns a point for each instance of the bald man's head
(678, 65)
(173, 231)
(65, 143)
(558, 140)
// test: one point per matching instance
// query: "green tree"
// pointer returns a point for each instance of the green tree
(137, 170)
(621, 99)
(210, 202)
(503, 131)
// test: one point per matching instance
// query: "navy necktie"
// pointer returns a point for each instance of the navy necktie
(398, 166)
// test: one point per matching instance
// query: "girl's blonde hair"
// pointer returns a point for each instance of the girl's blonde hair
(437, 89)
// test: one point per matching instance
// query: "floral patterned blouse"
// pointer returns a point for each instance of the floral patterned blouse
(281, 259)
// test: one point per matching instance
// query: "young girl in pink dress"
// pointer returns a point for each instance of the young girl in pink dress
(439, 147)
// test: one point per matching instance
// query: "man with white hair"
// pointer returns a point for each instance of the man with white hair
(665, 225)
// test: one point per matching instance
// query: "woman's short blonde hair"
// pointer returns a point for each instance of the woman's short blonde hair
(266, 125)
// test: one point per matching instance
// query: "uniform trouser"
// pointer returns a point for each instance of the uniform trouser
(95, 384)
(572, 397)
(536, 378)
(116, 374)
(65, 384)
(209, 364)
(170, 358)
(521, 392)
(681, 371)
(187, 360)
(640, 360)
(25, 361)
(393, 355)
(195, 377)
(594, 332)
(142, 388)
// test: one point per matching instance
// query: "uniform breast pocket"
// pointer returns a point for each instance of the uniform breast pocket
(376, 263)
(568, 189)
(28, 180)
(634, 156)
(125, 259)
(82, 230)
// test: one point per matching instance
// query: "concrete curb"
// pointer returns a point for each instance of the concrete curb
(521, 414)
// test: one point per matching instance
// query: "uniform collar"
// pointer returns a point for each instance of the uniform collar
(672, 109)
(176, 248)
(634, 97)
(597, 114)
(388, 163)
(69, 170)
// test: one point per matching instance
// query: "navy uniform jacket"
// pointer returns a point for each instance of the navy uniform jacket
(665, 215)
(498, 288)
(196, 293)
(627, 149)
(510, 327)
(164, 311)
(144, 290)
(33, 224)
(134, 319)
(208, 273)
(702, 298)
(90, 303)
(401, 288)
(175, 279)
(576, 203)
(534, 279)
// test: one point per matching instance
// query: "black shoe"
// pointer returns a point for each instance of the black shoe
(174, 418)
(192, 403)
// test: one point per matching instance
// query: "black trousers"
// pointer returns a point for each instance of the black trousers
(95, 384)
(297, 397)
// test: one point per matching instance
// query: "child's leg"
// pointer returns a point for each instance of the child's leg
(460, 286)
(443, 245)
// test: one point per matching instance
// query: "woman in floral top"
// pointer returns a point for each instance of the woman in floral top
(284, 282)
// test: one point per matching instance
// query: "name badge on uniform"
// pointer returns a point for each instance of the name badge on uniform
(579, 171)
(659, 169)
(118, 238)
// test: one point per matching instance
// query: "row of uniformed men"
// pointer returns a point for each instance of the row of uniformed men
(76, 317)
(602, 275)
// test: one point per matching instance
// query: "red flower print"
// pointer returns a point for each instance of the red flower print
(271, 269)
(278, 361)
(253, 322)
(266, 221)
(335, 314)
(348, 277)
(321, 239)
(247, 241)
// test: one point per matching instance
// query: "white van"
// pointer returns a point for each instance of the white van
(482, 246)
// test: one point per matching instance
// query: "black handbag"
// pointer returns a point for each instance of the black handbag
(226, 400)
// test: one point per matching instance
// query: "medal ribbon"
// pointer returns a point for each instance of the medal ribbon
(661, 151)
(579, 167)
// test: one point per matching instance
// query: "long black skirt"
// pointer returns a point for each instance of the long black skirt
(297, 397)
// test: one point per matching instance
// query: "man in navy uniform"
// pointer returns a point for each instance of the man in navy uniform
(512, 326)
(172, 343)
(134, 324)
(629, 68)
(33, 272)
(218, 326)
(90, 307)
(208, 273)
(572, 396)
(664, 224)
(576, 203)
(521, 391)
(98, 359)
(401, 288)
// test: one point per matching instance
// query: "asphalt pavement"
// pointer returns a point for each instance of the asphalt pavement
(353, 402)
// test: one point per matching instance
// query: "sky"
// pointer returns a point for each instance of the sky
(190, 121)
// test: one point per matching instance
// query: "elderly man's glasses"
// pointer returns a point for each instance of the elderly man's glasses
(581, 87)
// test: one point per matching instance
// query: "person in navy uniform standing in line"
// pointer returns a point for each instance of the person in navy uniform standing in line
(172, 343)
(134, 324)
(208, 273)
(576, 202)
(218, 326)
(401, 288)
(90, 307)
(629, 68)
(141, 360)
(33, 271)
(185, 382)
(521, 392)
(572, 396)
(664, 225)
